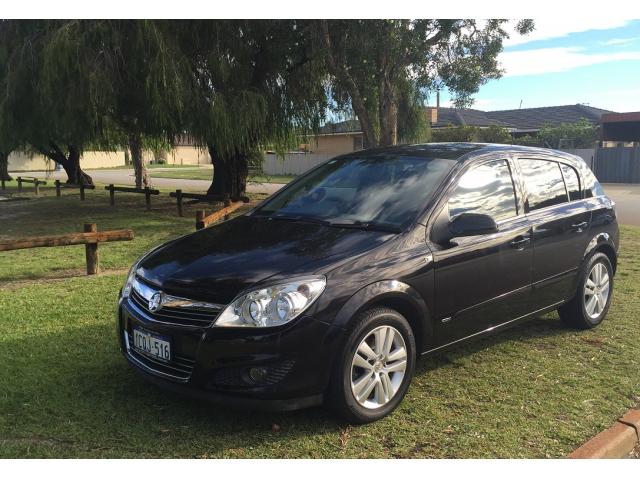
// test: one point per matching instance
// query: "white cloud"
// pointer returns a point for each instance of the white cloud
(619, 41)
(558, 59)
(561, 26)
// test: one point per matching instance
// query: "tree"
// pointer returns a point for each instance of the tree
(128, 75)
(581, 134)
(32, 117)
(373, 64)
(256, 83)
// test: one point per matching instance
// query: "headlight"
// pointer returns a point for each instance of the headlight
(273, 305)
(128, 285)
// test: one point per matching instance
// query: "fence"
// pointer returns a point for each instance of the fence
(89, 238)
(617, 165)
(293, 163)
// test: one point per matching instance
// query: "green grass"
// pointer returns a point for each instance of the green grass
(206, 173)
(538, 390)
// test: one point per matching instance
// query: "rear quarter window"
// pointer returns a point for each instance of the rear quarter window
(572, 181)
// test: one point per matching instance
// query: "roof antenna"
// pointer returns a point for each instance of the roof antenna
(520, 105)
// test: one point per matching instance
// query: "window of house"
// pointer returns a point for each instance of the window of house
(486, 189)
(544, 182)
(572, 181)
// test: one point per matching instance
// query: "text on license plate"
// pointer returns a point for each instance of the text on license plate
(151, 344)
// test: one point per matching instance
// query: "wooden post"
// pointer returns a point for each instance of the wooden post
(36, 183)
(82, 191)
(147, 198)
(58, 193)
(2, 180)
(112, 195)
(91, 250)
(19, 184)
(199, 219)
(179, 200)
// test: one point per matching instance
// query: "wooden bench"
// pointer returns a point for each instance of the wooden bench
(34, 180)
(60, 185)
(90, 238)
(147, 193)
(203, 221)
(179, 195)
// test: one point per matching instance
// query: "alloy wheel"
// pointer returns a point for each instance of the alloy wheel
(596, 290)
(378, 367)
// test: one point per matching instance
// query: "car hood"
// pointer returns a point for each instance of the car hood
(216, 263)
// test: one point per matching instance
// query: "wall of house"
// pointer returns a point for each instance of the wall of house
(334, 144)
(20, 161)
(292, 163)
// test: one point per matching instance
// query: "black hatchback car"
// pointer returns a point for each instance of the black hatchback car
(331, 288)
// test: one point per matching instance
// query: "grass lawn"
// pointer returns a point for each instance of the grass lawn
(206, 173)
(539, 390)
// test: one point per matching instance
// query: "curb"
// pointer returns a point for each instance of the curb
(615, 442)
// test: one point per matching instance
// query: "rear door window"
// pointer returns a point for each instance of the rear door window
(544, 182)
(486, 189)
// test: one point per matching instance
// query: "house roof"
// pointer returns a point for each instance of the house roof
(466, 116)
(535, 118)
(519, 119)
(347, 126)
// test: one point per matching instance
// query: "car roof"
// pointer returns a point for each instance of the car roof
(460, 151)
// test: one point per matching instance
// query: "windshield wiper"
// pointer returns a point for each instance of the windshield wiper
(298, 218)
(360, 225)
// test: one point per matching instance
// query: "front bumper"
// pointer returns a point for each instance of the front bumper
(215, 363)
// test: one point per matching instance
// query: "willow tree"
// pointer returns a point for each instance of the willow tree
(256, 84)
(377, 66)
(34, 117)
(127, 75)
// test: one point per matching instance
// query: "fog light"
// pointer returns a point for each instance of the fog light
(258, 374)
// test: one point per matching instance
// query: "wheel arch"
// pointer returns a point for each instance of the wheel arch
(602, 242)
(396, 295)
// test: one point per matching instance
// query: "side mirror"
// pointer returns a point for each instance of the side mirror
(471, 224)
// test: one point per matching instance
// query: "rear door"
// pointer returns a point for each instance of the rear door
(482, 281)
(560, 220)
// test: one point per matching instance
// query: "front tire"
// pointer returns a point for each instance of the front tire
(591, 302)
(375, 368)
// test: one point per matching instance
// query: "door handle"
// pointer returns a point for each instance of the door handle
(579, 227)
(520, 241)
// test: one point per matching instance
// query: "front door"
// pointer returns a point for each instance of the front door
(482, 281)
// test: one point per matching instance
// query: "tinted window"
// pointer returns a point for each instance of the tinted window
(572, 181)
(383, 189)
(544, 183)
(486, 189)
(592, 186)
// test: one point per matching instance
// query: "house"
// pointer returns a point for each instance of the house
(346, 136)
(620, 129)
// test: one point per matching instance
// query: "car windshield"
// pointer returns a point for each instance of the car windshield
(384, 191)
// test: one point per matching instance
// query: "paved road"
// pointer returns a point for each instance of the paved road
(125, 177)
(627, 198)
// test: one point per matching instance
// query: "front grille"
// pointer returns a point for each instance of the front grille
(189, 316)
(178, 369)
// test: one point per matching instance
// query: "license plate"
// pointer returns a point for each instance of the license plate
(154, 345)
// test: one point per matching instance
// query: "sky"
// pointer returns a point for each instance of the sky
(564, 62)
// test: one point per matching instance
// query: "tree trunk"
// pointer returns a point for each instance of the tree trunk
(139, 167)
(388, 115)
(70, 163)
(230, 173)
(4, 166)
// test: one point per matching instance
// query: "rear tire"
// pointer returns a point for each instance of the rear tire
(375, 368)
(591, 302)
